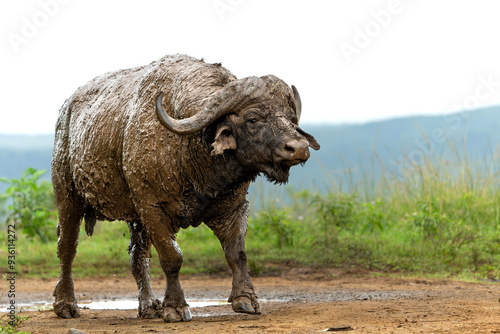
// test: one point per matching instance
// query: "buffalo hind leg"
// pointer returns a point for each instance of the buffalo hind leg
(175, 308)
(68, 229)
(140, 254)
(231, 232)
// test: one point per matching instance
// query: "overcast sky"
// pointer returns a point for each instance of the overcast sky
(352, 61)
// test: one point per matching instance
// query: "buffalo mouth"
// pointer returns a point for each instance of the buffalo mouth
(290, 163)
(277, 170)
(278, 173)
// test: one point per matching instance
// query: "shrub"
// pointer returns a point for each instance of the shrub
(30, 205)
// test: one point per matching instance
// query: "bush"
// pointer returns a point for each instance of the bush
(275, 224)
(334, 212)
(30, 205)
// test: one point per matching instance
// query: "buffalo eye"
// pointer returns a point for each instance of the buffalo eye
(252, 121)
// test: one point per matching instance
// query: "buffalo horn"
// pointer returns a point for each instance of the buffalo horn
(298, 102)
(230, 98)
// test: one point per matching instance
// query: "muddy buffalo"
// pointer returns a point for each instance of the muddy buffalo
(165, 146)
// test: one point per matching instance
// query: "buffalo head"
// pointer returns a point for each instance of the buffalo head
(256, 121)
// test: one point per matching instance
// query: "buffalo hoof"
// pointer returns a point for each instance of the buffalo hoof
(151, 309)
(171, 314)
(66, 310)
(246, 305)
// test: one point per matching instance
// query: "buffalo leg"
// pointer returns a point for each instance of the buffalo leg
(231, 232)
(175, 307)
(140, 253)
(68, 229)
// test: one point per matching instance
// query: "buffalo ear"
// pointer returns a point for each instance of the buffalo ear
(224, 139)
(312, 142)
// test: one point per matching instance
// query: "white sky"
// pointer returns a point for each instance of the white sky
(425, 57)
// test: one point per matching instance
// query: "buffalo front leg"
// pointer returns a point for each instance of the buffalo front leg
(175, 308)
(231, 232)
(140, 254)
(68, 229)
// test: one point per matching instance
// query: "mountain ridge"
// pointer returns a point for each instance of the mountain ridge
(343, 146)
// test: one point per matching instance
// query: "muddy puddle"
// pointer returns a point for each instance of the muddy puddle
(276, 296)
(118, 304)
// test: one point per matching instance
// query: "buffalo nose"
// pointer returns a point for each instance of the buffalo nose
(296, 151)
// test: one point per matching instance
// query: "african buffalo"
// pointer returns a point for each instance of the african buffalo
(166, 146)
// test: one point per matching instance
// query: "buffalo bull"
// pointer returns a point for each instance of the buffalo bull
(165, 146)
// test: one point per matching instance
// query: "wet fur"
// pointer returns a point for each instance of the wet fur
(113, 160)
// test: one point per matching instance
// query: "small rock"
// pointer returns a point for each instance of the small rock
(342, 328)
(75, 331)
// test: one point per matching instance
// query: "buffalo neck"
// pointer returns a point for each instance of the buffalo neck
(209, 175)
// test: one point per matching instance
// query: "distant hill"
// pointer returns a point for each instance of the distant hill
(344, 148)
(18, 152)
(397, 142)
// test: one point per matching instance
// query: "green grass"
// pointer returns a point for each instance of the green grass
(8, 326)
(105, 253)
(439, 218)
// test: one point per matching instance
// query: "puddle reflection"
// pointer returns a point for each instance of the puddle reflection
(108, 305)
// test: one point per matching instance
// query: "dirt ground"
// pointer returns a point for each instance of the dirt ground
(296, 302)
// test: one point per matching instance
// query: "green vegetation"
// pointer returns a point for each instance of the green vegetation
(440, 217)
(10, 327)
(31, 205)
